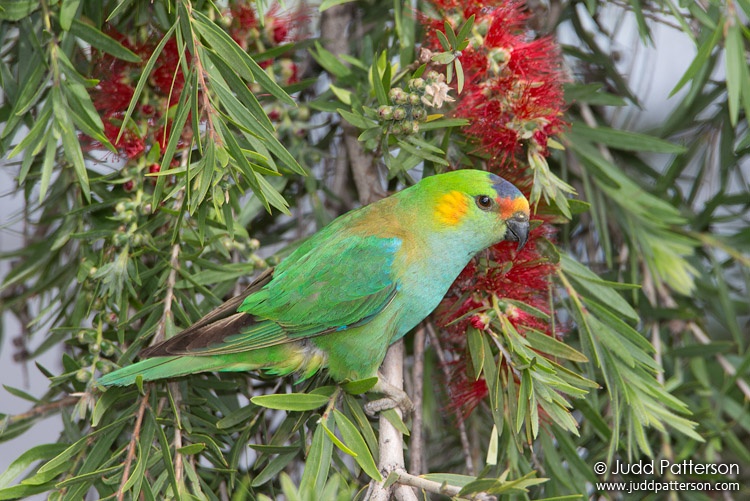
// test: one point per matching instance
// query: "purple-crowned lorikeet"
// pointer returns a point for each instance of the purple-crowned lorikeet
(349, 291)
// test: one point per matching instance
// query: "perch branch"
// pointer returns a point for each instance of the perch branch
(416, 447)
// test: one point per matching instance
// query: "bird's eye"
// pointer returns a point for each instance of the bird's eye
(484, 202)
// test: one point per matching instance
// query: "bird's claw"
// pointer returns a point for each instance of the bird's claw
(403, 402)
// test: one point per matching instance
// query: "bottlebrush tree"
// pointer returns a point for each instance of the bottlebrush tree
(169, 151)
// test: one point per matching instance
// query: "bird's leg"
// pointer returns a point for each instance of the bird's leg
(392, 397)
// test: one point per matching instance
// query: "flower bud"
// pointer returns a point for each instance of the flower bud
(385, 112)
(83, 375)
(398, 96)
(399, 113)
(432, 75)
(417, 84)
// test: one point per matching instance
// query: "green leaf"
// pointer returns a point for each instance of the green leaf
(596, 287)
(330, 62)
(244, 118)
(15, 10)
(356, 119)
(353, 438)
(317, 464)
(459, 75)
(359, 386)
(191, 449)
(376, 79)
(25, 460)
(393, 417)
(443, 40)
(548, 344)
(421, 153)
(592, 93)
(68, 10)
(465, 29)
(237, 58)
(143, 80)
(271, 471)
(476, 350)
(443, 123)
(102, 41)
(291, 401)
(343, 95)
(626, 140)
(22, 394)
(738, 77)
(449, 478)
(338, 443)
(701, 58)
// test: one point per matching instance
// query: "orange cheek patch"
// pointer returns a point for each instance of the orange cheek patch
(451, 208)
(509, 206)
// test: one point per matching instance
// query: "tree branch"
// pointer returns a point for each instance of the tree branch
(132, 446)
(390, 440)
(367, 179)
(416, 447)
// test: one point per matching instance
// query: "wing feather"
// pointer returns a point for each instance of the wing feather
(315, 291)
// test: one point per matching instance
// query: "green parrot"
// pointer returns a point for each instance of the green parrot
(349, 291)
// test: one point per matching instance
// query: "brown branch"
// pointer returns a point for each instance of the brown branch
(178, 461)
(339, 20)
(390, 440)
(416, 446)
(174, 264)
(405, 478)
(132, 446)
(38, 410)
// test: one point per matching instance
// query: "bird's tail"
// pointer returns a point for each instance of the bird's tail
(161, 367)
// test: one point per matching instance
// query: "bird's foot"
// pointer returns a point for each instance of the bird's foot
(392, 397)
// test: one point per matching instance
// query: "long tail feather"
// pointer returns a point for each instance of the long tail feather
(160, 367)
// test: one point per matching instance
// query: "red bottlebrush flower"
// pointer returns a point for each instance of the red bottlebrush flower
(465, 394)
(287, 26)
(154, 168)
(244, 26)
(111, 96)
(513, 93)
(280, 32)
(277, 28)
(513, 100)
(130, 144)
(167, 77)
(510, 275)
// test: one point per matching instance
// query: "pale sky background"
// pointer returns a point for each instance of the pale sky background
(653, 73)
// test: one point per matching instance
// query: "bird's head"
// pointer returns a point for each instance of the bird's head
(482, 205)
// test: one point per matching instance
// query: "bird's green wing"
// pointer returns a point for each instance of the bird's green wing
(315, 291)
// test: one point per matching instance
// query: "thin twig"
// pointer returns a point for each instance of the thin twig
(729, 369)
(463, 436)
(178, 467)
(132, 446)
(406, 478)
(174, 264)
(416, 447)
(701, 336)
(43, 409)
(339, 20)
